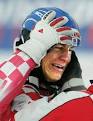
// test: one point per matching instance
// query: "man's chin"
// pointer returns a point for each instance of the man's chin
(53, 76)
(54, 79)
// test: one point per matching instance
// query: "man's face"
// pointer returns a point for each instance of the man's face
(55, 62)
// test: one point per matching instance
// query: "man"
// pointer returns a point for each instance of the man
(44, 55)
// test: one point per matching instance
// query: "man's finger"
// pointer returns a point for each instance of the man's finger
(50, 15)
(58, 22)
(66, 31)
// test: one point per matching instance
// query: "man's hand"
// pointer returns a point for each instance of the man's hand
(46, 33)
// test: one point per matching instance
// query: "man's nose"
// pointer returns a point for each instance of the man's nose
(64, 56)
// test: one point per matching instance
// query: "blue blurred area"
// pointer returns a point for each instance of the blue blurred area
(7, 37)
(13, 13)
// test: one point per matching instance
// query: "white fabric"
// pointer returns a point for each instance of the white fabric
(20, 101)
(73, 83)
(38, 109)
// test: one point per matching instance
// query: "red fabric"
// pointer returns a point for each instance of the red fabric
(91, 89)
(75, 110)
(13, 74)
(34, 95)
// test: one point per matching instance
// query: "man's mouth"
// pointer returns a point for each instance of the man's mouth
(58, 67)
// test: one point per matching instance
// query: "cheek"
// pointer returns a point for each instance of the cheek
(46, 62)
(48, 58)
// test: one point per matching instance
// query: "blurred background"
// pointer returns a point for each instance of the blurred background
(13, 13)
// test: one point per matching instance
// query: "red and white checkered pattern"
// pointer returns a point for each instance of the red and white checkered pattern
(13, 74)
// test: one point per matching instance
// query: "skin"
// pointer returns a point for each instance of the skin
(56, 61)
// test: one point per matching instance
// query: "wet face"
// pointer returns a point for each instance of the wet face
(56, 61)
